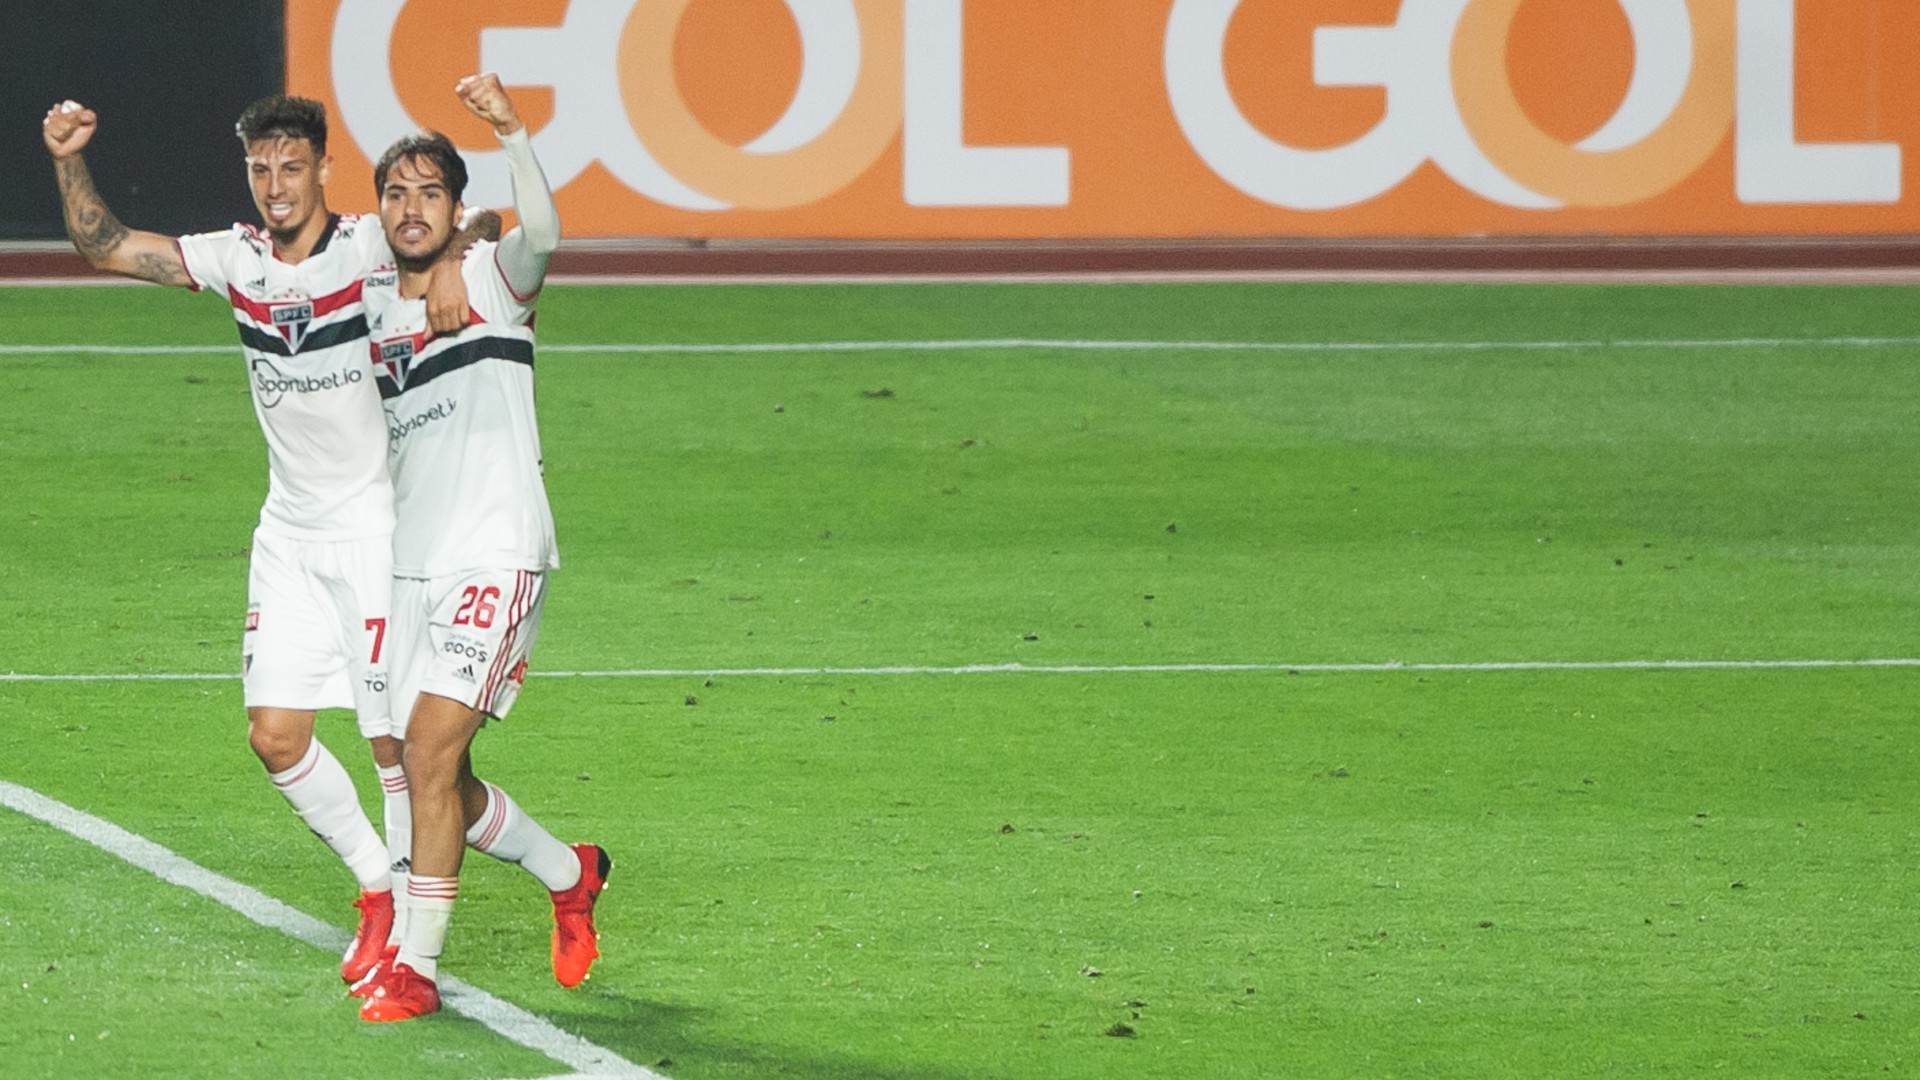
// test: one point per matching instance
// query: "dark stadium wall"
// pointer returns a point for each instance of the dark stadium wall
(168, 81)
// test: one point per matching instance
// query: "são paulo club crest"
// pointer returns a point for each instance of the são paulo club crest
(291, 315)
(396, 355)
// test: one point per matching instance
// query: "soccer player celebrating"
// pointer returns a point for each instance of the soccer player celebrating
(474, 543)
(319, 580)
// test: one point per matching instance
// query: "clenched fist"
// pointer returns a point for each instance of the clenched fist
(67, 128)
(485, 98)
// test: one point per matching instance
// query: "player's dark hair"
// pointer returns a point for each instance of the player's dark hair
(428, 146)
(290, 117)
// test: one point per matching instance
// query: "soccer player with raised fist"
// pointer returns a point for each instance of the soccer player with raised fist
(474, 544)
(319, 579)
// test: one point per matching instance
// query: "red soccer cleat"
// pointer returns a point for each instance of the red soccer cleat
(376, 923)
(401, 994)
(575, 942)
(364, 988)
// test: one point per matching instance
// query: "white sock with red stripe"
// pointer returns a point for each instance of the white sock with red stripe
(505, 832)
(399, 821)
(429, 908)
(321, 792)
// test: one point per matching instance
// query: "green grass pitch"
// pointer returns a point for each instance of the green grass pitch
(1459, 874)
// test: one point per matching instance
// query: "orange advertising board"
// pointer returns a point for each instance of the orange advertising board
(1151, 118)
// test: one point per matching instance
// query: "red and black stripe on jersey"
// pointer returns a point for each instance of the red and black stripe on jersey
(346, 330)
(254, 319)
(420, 370)
(250, 315)
(322, 305)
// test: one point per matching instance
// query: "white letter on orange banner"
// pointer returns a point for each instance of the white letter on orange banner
(1408, 59)
(941, 170)
(1771, 167)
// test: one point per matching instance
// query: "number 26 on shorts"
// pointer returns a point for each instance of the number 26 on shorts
(476, 607)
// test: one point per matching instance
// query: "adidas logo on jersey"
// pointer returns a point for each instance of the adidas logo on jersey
(466, 673)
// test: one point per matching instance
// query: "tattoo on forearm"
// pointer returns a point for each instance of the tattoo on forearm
(99, 236)
(92, 227)
(160, 270)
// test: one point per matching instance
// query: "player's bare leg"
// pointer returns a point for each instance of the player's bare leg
(318, 788)
(441, 781)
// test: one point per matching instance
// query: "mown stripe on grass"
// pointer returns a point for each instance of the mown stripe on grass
(748, 348)
(1358, 668)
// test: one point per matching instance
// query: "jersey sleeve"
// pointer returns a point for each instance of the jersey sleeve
(207, 257)
(369, 244)
(523, 253)
(489, 292)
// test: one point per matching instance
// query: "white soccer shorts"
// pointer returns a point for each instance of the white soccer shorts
(465, 636)
(316, 632)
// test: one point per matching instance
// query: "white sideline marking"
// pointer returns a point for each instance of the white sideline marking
(502, 1017)
(1304, 669)
(1357, 668)
(748, 348)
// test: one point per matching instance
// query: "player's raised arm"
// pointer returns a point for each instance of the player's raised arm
(96, 233)
(523, 252)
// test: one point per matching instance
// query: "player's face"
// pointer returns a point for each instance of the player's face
(417, 211)
(289, 183)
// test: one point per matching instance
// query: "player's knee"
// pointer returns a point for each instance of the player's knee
(429, 765)
(278, 746)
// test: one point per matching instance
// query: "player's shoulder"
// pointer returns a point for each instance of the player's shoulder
(351, 225)
(381, 282)
(485, 277)
(356, 236)
(239, 236)
(477, 265)
(357, 240)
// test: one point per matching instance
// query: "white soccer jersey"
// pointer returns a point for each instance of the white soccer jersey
(463, 445)
(303, 330)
